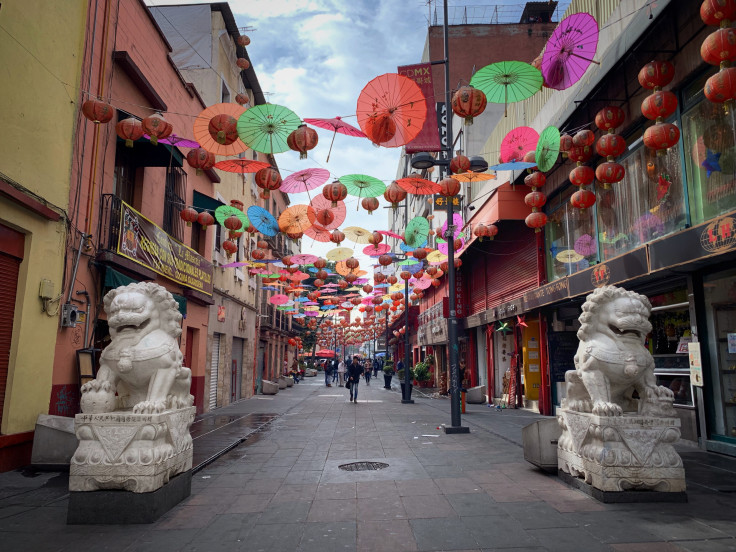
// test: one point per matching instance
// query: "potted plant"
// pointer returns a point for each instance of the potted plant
(388, 372)
(421, 373)
(400, 374)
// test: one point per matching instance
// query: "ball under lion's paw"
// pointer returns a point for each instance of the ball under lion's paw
(98, 401)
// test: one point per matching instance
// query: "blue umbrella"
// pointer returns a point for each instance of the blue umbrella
(270, 288)
(263, 221)
(301, 299)
(512, 166)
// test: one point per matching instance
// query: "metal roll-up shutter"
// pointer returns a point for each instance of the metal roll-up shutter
(9, 268)
(511, 266)
(476, 279)
(214, 370)
(238, 346)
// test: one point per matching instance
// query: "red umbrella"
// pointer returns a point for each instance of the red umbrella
(517, 142)
(241, 166)
(390, 234)
(335, 125)
(416, 185)
(325, 353)
(320, 204)
(318, 233)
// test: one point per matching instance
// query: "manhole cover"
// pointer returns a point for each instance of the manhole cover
(363, 466)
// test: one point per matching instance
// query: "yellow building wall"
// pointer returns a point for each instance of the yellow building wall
(42, 49)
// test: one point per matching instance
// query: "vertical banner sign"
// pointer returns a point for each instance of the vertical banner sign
(696, 364)
(427, 139)
(442, 124)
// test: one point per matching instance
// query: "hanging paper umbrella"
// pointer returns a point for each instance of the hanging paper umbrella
(174, 140)
(266, 127)
(374, 250)
(458, 222)
(442, 247)
(295, 219)
(357, 234)
(321, 205)
(548, 148)
(511, 166)
(262, 220)
(436, 257)
(362, 185)
(391, 110)
(421, 283)
(471, 177)
(416, 185)
(570, 50)
(339, 254)
(416, 231)
(304, 258)
(223, 212)
(569, 256)
(304, 180)
(202, 129)
(336, 125)
(517, 142)
(278, 299)
(318, 233)
(241, 166)
(507, 82)
(390, 234)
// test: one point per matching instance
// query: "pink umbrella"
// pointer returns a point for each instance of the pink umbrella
(458, 222)
(336, 125)
(570, 50)
(517, 143)
(442, 247)
(321, 203)
(304, 258)
(318, 233)
(304, 180)
(279, 299)
(421, 283)
(258, 271)
(374, 250)
(390, 234)
(174, 140)
(299, 276)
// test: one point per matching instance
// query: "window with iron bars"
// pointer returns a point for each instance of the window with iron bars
(175, 201)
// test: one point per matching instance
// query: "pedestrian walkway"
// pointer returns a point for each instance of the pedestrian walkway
(285, 488)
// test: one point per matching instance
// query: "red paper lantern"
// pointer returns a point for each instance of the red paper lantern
(367, 288)
(582, 199)
(336, 191)
(318, 283)
(375, 238)
(582, 175)
(370, 204)
(189, 215)
(98, 111)
(661, 137)
(223, 128)
(262, 244)
(436, 283)
(242, 63)
(584, 138)
(230, 247)
(656, 74)
(234, 235)
(536, 220)
(718, 12)
(268, 179)
(205, 219)
(535, 200)
(610, 146)
(394, 194)
(380, 128)
(324, 217)
(392, 279)
(337, 237)
(322, 274)
(130, 130)
(565, 144)
(233, 223)
(200, 159)
(242, 98)
(419, 253)
(610, 173)
(405, 275)
(719, 47)
(352, 263)
(320, 264)
(449, 187)
(530, 157)
(721, 87)
(379, 277)
(535, 180)
(459, 164)
(480, 231)
(609, 118)
(659, 105)
(468, 102)
(292, 342)
(580, 154)
(156, 127)
(243, 40)
(302, 140)
(351, 277)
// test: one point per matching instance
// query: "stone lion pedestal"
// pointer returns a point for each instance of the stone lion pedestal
(134, 458)
(618, 426)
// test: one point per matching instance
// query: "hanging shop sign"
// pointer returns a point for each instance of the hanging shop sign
(441, 202)
(145, 243)
(461, 307)
(705, 240)
(502, 311)
(428, 138)
(546, 294)
(618, 270)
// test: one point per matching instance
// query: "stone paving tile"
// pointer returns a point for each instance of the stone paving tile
(328, 537)
(171, 540)
(491, 477)
(715, 545)
(442, 534)
(500, 531)
(682, 528)
(257, 486)
(509, 494)
(474, 504)
(278, 537)
(188, 517)
(532, 515)
(333, 491)
(333, 510)
(288, 492)
(250, 503)
(377, 489)
(384, 508)
(457, 485)
(232, 481)
(565, 540)
(296, 477)
(427, 506)
(385, 536)
(647, 547)
(285, 512)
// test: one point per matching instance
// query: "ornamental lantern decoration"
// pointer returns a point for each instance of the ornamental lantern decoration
(156, 127)
(537, 199)
(233, 223)
(379, 277)
(230, 247)
(481, 231)
(268, 179)
(468, 102)
(449, 187)
(536, 220)
(370, 204)
(242, 63)
(582, 199)
(302, 140)
(336, 191)
(565, 144)
(262, 244)
(322, 274)
(662, 136)
(223, 128)
(375, 238)
(420, 254)
(380, 128)
(530, 157)
(609, 118)
(582, 176)
(459, 164)
(130, 130)
(583, 138)
(189, 215)
(324, 217)
(535, 180)
(242, 98)
(609, 173)
(320, 264)
(367, 288)
(721, 87)
(337, 237)
(205, 219)
(394, 194)
(351, 277)
(200, 159)
(98, 111)
(718, 12)
(405, 275)
(352, 263)
(392, 279)
(243, 40)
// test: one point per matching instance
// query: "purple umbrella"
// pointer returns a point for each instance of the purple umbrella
(585, 245)
(570, 50)
(174, 140)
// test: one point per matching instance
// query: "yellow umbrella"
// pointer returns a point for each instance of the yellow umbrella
(436, 257)
(339, 254)
(569, 256)
(398, 286)
(357, 234)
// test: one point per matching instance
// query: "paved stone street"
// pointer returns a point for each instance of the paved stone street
(282, 489)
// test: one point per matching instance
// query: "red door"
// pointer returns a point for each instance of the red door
(11, 254)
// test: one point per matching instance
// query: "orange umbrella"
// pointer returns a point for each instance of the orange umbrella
(202, 132)
(414, 184)
(391, 110)
(471, 176)
(295, 219)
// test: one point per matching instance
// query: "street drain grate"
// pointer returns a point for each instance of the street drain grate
(363, 466)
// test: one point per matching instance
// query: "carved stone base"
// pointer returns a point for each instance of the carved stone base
(621, 453)
(133, 452)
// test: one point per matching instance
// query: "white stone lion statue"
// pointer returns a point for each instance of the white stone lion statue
(142, 367)
(612, 362)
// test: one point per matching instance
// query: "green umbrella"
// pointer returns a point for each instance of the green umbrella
(548, 148)
(223, 212)
(416, 231)
(362, 185)
(266, 127)
(507, 82)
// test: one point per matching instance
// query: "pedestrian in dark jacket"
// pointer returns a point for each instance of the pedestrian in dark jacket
(355, 370)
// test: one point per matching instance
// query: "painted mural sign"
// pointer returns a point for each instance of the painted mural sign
(145, 243)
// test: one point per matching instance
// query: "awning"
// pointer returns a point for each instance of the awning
(204, 202)
(115, 279)
(506, 203)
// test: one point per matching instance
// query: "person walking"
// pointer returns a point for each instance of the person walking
(335, 365)
(367, 373)
(375, 367)
(355, 370)
(328, 374)
(341, 368)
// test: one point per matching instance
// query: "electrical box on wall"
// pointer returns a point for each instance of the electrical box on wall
(46, 289)
(69, 315)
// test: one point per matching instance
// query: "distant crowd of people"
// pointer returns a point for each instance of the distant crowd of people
(348, 372)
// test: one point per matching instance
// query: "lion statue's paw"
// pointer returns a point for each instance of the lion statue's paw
(97, 385)
(659, 392)
(149, 407)
(601, 408)
(579, 405)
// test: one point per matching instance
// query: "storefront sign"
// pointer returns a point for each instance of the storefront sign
(620, 269)
(705, 240)
(460, 306)
(441, 202)
(428, 138)
(696, 364)
(544, 295)
(473, 321)
(148, 245)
